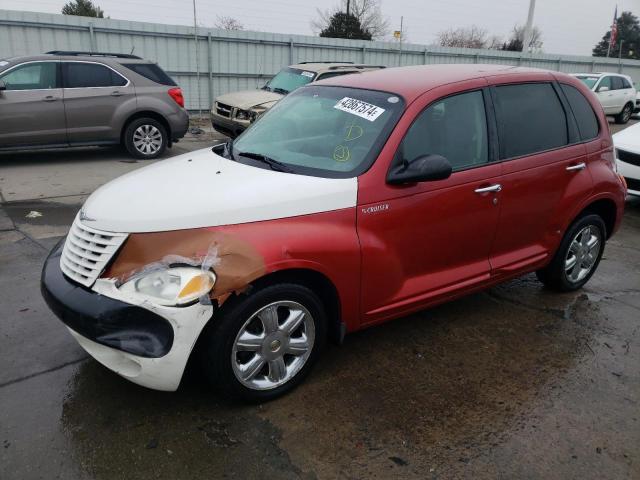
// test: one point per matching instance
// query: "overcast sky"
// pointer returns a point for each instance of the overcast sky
(568, 26)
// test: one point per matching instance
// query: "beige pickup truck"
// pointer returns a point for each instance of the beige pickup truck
(233, 112)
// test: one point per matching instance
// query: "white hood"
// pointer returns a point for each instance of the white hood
(628, 139)
(202, 189)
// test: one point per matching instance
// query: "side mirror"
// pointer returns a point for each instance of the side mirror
(421, 169)
(602, 89)
(3, 86)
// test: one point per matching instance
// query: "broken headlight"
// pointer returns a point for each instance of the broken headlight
(171, 286)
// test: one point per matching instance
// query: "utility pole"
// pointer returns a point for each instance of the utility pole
(195, 39)
(348, 4)
(401, 34)
(528, 29)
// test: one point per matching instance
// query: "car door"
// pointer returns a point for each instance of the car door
(544, 173)
(93, 94)
(422, 242)
(606, 95)
(31, 107)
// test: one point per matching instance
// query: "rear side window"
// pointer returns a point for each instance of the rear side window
(454, 127)
(86, 75)
(626, 83)
(616, 83)
(530, 119)
(152, 72)
(32, 76)
(582, 111)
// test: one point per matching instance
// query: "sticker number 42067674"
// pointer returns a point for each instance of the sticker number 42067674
(358, 107)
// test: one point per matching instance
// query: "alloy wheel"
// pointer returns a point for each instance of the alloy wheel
(147, 139)
(583, 253)
(273, 345)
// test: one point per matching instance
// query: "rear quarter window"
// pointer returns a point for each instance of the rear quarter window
(530, 119)
(582, 111)
(152, 72)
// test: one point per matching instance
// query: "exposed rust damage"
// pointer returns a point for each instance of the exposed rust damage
(238, 263)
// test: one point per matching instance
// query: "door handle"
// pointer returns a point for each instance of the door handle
(491, 188)
(116, 94)
(49, 98)
(579, 166)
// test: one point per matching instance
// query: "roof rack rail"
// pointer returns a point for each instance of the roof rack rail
(323, 61)
(359, 67)
(73, 53)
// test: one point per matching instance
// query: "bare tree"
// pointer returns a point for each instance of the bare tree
(466, 37)
(227, 23)
(367, 12)
(517, 37)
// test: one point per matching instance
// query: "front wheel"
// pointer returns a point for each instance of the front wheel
(577, 257)
(624, 116)
(263, 346)
(145, 138)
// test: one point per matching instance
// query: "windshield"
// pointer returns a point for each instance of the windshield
(288, 79)
(323, 131)
(589, 81)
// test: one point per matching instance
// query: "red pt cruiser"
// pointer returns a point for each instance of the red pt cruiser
(351, 202)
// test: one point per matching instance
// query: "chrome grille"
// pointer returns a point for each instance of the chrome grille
(87, 251)
(224, 110)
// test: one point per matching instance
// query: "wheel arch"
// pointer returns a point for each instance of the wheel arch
(147, 114)
(606, 209)
(317, 282)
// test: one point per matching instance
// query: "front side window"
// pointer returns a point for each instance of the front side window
(85, 75)
(531, 119)
(289, 79)
(32, 76)
(323, 131)
(605, 82)
(454, 127)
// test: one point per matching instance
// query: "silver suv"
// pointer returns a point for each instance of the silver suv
(62, 99)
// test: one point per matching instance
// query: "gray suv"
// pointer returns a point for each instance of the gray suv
(63, 99)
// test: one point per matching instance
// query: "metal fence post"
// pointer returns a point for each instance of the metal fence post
(364, 54)
(520, 60)
(476, 58)
(210, 66)
(593, 66)
(426, 56)
(92, 38)
(291, 51)
(559, 64)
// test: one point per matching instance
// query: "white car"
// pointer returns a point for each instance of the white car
(627, 143)
(615, 92)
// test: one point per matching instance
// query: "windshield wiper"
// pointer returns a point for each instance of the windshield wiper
(280, 90)
(274, 164)
(267, 88)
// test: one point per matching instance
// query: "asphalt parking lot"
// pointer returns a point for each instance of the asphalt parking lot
(513, 382)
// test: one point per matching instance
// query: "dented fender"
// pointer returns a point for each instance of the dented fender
(326, 243)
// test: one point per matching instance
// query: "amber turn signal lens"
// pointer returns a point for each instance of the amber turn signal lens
(196, 287)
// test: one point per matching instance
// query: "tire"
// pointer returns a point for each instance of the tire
(624, 116)
(558, 275)
(145, 138)
(235, 342)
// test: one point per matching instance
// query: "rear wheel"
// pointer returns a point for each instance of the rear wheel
(624, 116)
(577, 257)
(264, 346)
(145, 138)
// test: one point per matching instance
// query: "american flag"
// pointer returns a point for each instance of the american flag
(614, 29)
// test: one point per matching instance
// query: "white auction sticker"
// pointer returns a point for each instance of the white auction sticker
(3, 63)
(307, 74)
(358, 107)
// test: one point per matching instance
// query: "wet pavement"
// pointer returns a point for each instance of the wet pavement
(513, 382)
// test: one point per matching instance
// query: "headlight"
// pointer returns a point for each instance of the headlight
(243, 115)
(171, 286)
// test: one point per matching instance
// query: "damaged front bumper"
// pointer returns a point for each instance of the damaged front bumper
(143, 342)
